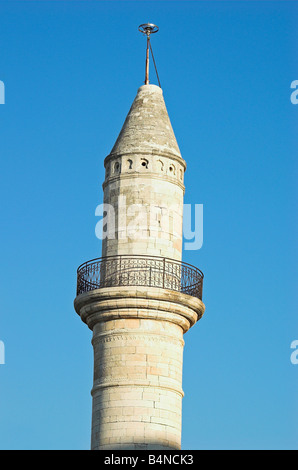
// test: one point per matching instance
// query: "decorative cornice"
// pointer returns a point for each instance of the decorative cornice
(149, 175)
(98, 386)
(152, 303)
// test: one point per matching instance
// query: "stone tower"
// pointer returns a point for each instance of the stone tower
(140, 298)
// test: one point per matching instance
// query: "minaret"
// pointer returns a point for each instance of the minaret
(140, 298)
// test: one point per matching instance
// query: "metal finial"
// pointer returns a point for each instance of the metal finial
(148, 29)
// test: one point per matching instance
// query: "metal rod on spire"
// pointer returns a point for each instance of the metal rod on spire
(147, 61)
(148, 29)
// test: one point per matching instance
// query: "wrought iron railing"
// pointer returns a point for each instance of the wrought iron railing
(139, 270)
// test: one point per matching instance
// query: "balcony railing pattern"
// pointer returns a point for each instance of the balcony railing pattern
(140, 270)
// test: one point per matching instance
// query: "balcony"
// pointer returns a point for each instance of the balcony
(139, 270)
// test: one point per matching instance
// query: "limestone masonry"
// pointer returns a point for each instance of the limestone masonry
(139, 314)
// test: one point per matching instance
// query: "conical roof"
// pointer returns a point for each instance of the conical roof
(147, 127)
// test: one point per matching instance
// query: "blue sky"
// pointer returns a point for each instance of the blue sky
(71, 71)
